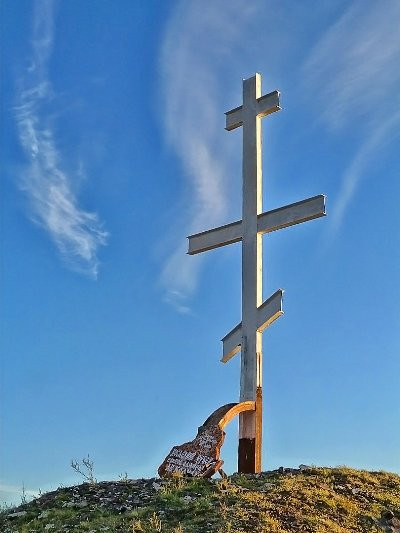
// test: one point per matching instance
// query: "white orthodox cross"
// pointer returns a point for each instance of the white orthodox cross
(256, 314)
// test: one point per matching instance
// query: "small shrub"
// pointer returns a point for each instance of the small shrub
(86, 469)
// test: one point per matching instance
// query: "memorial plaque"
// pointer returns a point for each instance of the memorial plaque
(201, 456)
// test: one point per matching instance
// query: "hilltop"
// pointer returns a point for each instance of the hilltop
(308, 499)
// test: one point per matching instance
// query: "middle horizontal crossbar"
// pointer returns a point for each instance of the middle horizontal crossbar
(269, 221)
(213, 238)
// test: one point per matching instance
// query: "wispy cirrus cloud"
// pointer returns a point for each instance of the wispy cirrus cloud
(196, 55)
(355, 66)
(54, 205)
(353, 174)
(351, 69)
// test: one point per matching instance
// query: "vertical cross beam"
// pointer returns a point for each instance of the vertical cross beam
(250, 436)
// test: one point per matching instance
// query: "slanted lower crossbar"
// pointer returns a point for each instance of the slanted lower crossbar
(267, 313)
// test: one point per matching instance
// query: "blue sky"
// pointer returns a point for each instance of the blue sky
(114, 150)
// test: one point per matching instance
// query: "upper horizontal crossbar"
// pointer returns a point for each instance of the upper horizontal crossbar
(282, 217)
(265, 105)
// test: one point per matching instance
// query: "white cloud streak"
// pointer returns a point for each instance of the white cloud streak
(354, 172)
(196, 54)
(54, 206)
(355, 66)
(351, 70)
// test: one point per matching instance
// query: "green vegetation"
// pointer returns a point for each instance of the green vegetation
(321, 500)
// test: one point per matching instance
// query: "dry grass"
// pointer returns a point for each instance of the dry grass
(320, 500)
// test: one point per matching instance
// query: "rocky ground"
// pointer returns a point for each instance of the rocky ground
(308, 499)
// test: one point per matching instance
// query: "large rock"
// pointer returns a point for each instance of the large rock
(201, 456)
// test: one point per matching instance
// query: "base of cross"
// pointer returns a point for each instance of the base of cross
(250, 438)
(246, 455)
(201, 456)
